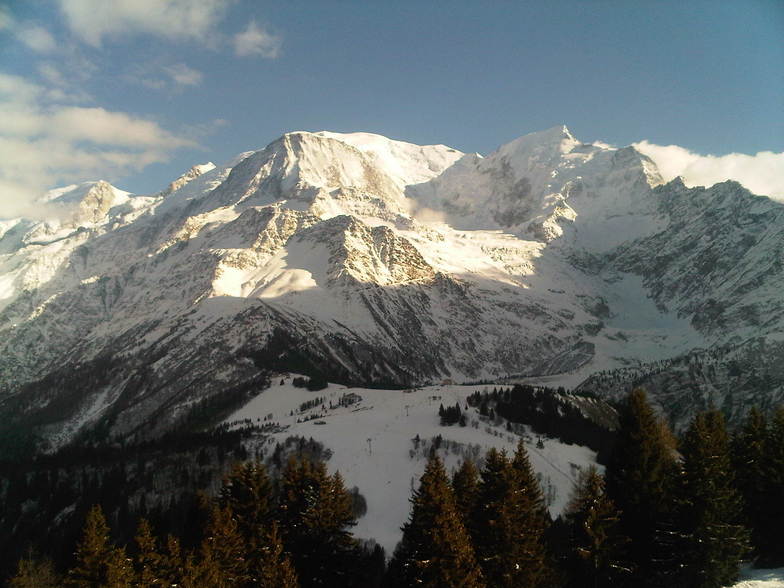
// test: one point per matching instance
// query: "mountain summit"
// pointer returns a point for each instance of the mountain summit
(369, 260)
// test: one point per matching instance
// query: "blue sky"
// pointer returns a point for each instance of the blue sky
(137, 91)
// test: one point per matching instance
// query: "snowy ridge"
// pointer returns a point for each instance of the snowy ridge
(372, 260)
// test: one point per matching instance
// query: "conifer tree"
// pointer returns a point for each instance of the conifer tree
(197, 573)
(465, 483)
(435, 551)
(223, 561)
(771, 536)
(534, 518)
(98, 562)
(247, 491)
(595, 557)
(119, 570)
(171, 564)
(712, 506)
(148, 558)
(749, 446)
(315, 513)
(509, 521)
(275, 569)
(639, 480)
(34, 572)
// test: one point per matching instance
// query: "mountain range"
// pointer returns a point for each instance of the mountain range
(364, 260)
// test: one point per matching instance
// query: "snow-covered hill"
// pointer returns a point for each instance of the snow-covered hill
(380, 440)
(369, 261)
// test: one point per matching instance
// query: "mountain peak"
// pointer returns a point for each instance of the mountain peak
(193, 173)
(552, 142)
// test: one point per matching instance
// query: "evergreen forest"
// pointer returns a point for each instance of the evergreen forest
(681, 512)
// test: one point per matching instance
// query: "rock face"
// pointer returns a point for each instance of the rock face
(373, 261)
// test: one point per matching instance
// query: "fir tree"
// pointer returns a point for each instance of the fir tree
(771, 536)
(534, 517)
(749, 458)
(509, 522)
(34, 572)
(315, 513)
(119, 570)
(435, 551)
(98, 562)
(639, 481)
(171, 564)
(275, 569)
(595, 557)
(197, 573)
(223, 561)
(247, 491)
(148, 558)
(465, 483)
(712, 505)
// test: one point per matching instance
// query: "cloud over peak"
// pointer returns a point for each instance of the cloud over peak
(43, 142)
(762, 173)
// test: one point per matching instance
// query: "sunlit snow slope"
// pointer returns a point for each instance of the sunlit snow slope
(369, 260)
(374, 443)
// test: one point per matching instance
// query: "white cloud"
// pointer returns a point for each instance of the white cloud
(92, 20)
(5, 18)
(255, 40)
(61, 87)
(44, 143)
(102, 127)
(182, 75)
(36, 38)
(762, 173)
(171, 78)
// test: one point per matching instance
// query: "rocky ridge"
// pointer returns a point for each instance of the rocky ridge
(369, 260)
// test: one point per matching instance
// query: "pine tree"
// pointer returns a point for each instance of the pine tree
(98, 562)
(171, 564)
(750, 463)
(147, 556)
(639, 481)
(275, 569)
(435, 551)
(247, 491)
(773, 483)
(509, 521)
(465, 483)
(34, 572)
(119, 570)
(713, 507)
(223, 561)
(595, 557)
(534, 517)
(199, 573)
(315, 513)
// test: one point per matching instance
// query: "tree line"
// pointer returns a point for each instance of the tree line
(681, 513)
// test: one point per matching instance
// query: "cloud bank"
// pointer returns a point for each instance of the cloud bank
(762, 173)
(175, 20)
(92, 20)
(44, 142)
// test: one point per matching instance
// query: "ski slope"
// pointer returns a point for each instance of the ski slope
(373, 443)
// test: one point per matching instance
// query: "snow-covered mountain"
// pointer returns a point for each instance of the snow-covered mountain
(373, 261)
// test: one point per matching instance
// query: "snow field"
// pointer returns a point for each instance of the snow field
(751, 578)
(373, 444)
